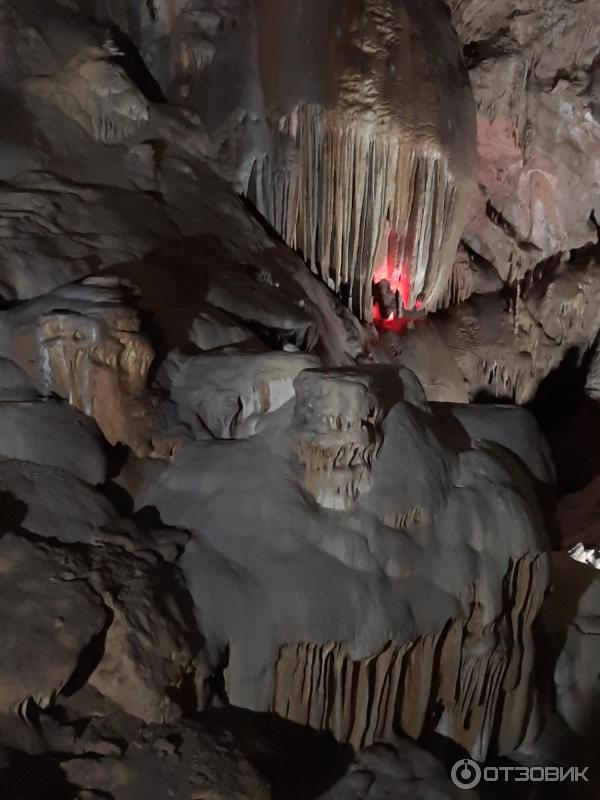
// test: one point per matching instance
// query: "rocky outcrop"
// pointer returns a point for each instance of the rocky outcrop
(399, 771)
(572, 619)
(233, 512)
(525, 288)
(339, 415)
(182, 762)
(52, 434)
(533, 75)
(368, 545)
(98, 621)
(463, 682)
(360, 152)
(83, 343)
(62, 615)
(228, 395)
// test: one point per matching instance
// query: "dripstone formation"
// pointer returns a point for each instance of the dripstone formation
(260, 265)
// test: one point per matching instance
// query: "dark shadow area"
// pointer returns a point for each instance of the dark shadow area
(169, 583)
(488, 398)
(249, 201)
(568, 418)
(148, 518)
(89, 658)
(561, 393)
(34, 778)
(14, 512)
(565, 749)
(570, 421)
(119, 497)
(299, 763)
(448, 428)
(134, 66)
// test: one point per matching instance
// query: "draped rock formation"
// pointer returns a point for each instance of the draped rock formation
(236, 521)
(472, 682)
(83, 343)
(375, 500)
(355, 144)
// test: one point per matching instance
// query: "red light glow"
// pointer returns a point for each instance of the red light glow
(392, 323)
(396, 271)
(397, 276)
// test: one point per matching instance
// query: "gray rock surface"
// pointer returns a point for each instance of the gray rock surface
(403, 771)
(61, 614)
(572, 617)
(53, 434)
(419, 515)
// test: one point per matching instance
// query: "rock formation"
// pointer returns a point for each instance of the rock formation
(395, 771)
(261, 264)
(354, 144)
(573, 620)
(364, 484)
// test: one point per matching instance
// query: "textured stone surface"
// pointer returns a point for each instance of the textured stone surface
(572, 617)
(61, 615)
(428, 492)
(533, 72)
(168, 761)
(392, 129)
(401, 771)
(352, 560)
(53, 434)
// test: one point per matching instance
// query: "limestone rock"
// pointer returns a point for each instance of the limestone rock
(84, 343)
(74, 204)
(52, 503)
(182, 762)
(532, 75)
(586, 555)
(340, 415)
(572, 618)
(504, 350)
(14, 383)
(344, 100)
(50, 433)
(400, 771)
(119, 621)
(228, 394)
(429, 493)
(152, 648)
(62, 616)
(362, 701)
(213, 329)
(514, 429)
(353, 559)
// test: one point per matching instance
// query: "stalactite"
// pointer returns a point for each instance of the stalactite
(350, 186)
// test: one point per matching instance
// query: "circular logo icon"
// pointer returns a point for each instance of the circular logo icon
(466, 773)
